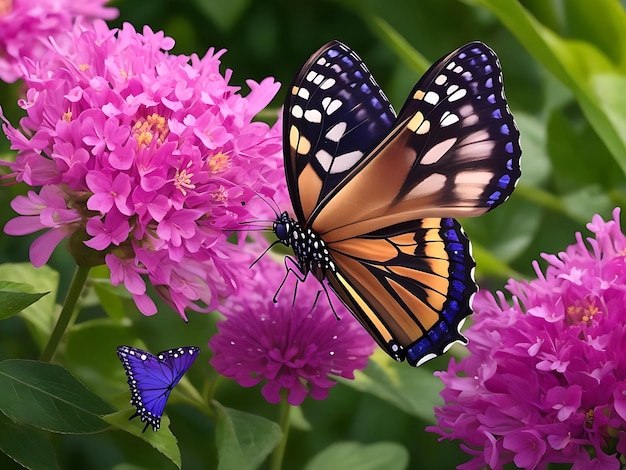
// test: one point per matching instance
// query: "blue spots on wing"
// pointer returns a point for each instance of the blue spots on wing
(504, 181)
(376, 104)
(456, 308)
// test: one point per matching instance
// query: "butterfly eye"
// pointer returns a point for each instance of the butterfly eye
(282, 232)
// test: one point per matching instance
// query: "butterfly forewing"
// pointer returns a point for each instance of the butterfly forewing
(151, 378)
(334, 114)
(453, 152)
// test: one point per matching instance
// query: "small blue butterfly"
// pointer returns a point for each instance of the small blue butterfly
(152, 378)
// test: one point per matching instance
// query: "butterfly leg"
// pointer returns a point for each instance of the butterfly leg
(288, 270)
(263, 254)
(332, 307)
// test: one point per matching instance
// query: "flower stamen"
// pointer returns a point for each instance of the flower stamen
(218, 163)
(147, 129)
(182, 180)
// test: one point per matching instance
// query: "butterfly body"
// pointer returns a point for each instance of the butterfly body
(152, 378)
(375, 196)
(311, 252)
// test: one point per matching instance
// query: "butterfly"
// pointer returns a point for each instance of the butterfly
(375, 195)
(151, 378)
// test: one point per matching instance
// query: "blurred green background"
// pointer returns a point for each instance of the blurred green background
(564, 66)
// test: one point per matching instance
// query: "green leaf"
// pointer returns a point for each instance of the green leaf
(163, 440)
(49, 397)
(397, 43)
(298, 421)
(588, 200)
(15, 297)
(116, 301)
(40, 316)
(129, 466)
(90, 354)
(224, 14)
(578, 63)
(536, 164)
(356, 456)
(413, 390)
(27, 446)
(507, 231)
(244, 440)
(572, 145)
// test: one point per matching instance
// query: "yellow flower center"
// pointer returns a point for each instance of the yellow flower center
(582, 311)
(182, 180)
(67, 116)
(149, 128)
(83, 67)
(218, 163)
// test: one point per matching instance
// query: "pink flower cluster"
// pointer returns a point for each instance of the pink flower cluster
(151, 157)
(291, 346)
(26, 25)
(546, 378)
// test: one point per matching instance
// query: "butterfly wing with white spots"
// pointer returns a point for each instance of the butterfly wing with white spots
(152, 378)
(453, 152)
(374, 197)
(337, 113)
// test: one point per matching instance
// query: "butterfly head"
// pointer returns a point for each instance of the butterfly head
(283, 227)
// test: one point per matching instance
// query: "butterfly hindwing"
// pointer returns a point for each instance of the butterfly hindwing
(151, 378)
(334, 114)
(453, 152)
(410, 285)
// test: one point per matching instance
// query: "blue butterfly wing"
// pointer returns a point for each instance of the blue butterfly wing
(151, 378)
(334, 114)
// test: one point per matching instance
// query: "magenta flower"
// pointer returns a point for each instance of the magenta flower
(26, 25)
(153, 157)
(291, 348)
(546, 378)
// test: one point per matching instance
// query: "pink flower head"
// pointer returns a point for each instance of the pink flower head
(26, 25)
(292, 348)
(153, 156)
(546, 378)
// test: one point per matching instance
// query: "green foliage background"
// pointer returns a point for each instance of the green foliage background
(564, 64)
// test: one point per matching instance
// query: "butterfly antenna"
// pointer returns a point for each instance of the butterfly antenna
(260, 226)
(273, 206)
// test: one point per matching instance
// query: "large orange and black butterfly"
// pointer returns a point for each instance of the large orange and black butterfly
(374, 195)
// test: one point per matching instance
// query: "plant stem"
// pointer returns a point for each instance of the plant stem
(76, 287)
(279, 452)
